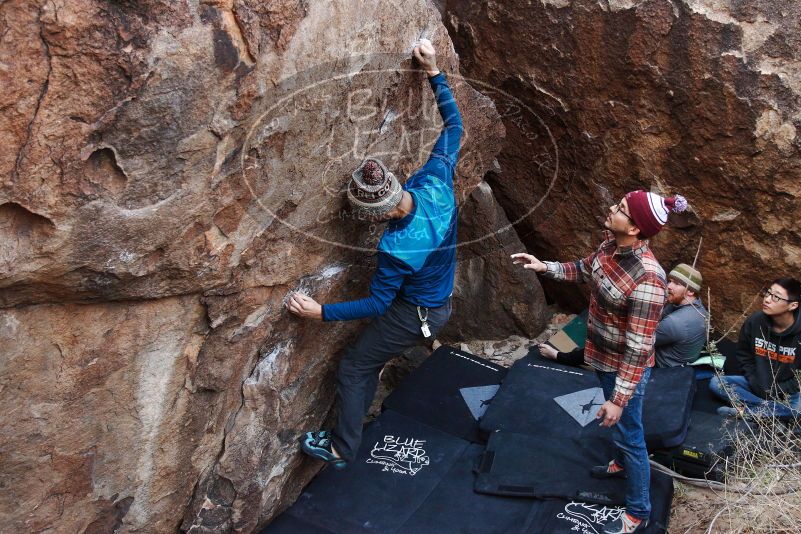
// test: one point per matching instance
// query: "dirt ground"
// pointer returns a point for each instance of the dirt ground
(695, 508)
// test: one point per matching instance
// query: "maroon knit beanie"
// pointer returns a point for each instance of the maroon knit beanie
(649, 211)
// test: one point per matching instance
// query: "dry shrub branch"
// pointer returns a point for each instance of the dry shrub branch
(762, 476)
(761, 491)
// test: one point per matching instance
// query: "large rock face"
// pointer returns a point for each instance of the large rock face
(701, 97)
(491, 295)
(170, 172)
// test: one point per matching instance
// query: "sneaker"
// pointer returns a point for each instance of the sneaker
(625, 524)
(610, 470)
(318, 445)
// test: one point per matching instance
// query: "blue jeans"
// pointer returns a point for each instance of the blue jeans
(629, 440)
(756, 405)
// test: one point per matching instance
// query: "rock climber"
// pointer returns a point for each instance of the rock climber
(410, 293)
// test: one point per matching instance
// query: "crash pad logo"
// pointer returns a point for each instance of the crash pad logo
(405, 456)
(478, 398)
(582, 405)
(589, 518)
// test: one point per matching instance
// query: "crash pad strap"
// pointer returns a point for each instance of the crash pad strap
(546, 466)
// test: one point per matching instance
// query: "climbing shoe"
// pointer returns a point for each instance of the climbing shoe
(625, 524)
(610, 470)
(318, 445)
(317, 436)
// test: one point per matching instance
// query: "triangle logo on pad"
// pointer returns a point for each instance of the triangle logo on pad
(582, 405)
(478, 398)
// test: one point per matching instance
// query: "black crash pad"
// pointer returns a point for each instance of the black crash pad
(704, 400)
(708, 442)
(559, 516)
(400, 462)
(666, 408)
(697, 456)
(542, 396)
(453, 506)
(287, 524)
(449, 391)
(545, 466)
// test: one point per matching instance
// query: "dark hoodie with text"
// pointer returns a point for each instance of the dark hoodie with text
(769, 359)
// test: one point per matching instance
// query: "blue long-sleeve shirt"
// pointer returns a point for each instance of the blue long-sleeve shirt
(417, 254)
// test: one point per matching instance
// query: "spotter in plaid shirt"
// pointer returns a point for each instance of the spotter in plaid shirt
(627, 296)
(626, 300)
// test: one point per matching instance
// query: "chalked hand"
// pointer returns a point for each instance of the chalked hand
(304, 306)
(426, 56)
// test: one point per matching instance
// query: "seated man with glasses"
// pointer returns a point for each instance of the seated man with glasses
(769, 352)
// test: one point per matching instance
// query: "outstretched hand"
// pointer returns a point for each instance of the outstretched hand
(426, 56)
(529, 262)
(304, 306)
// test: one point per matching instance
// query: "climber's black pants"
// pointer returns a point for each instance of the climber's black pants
(383, 339)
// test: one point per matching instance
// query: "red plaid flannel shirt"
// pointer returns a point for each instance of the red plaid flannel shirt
(626, 300)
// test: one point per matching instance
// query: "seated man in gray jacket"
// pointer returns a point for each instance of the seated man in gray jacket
(681, 332)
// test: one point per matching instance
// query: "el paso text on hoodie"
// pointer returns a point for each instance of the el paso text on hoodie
(769, 359)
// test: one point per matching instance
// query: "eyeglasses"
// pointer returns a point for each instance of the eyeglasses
(618, 208)
(773, 296)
